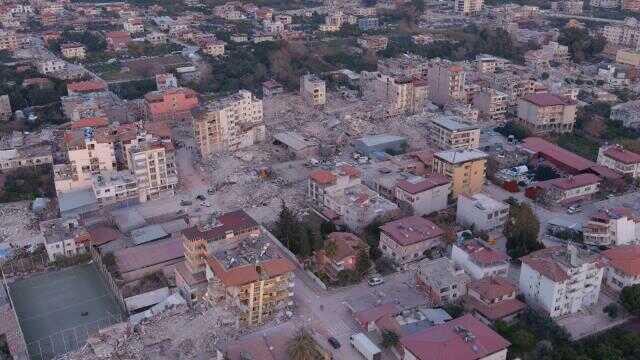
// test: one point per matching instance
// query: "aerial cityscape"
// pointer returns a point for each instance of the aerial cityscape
(320, 179)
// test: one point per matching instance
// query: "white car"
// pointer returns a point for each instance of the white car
(205, 204)
(375, 281)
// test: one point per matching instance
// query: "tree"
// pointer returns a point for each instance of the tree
(302, 347)
(419, 5)
(518, 131)
(287, 228)
(544, 76)
(326, 228)
(630, 299)
(523, 340)
(582, 46)
(330, 248)
(611, 310)
(389, 339)
(521, 230)
(544, 172)
(363, 262)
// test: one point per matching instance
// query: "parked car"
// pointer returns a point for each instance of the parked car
(334, 342)
(201, 197)
(185, 203)
(375, 281)
(574, 209)
(205, 204)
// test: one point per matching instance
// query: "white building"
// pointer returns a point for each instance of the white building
(617, 158)
(63, 237)
(313, 90)
(561, 280)
(623, 266)
(450, 133)
(424, 195)
(620, 226)
(627, 113)
(409, 239)
(50, 65)
(468, 7)
(481, 212)
(479, 260)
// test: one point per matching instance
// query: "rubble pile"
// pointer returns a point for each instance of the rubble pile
(18, 225)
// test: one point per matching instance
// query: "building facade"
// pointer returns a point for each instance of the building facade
(313, 90)
(617, 158)
(466, 169)
(409, 239)
(450, 133)
(545, 113)
(481, 212)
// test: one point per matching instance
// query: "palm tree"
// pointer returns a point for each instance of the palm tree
(302, 347)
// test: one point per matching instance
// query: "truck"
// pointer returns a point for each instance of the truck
(365, 346)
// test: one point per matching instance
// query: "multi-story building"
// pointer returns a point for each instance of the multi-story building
(493, 299)
(5, 108)
(450, 133)
(157, 38)
(466, 169)
(479, 260)
(213, 47)
(446, 83)
(442, 280)
(117, 40)
(607, 4)
(607, 227)
(89, 152)
(63, 237)
(409, 239)
(322, 182)
(545, 113)
(26, 156)
(73, 50)
(491, 104)
(619, 159)
(515, 84)
(357, 206)
(170, 104)
(561, 280)
(623, 266)
(399, 94)
(626, 34)
(313, 90)
(423, 195)
(463, 338)
(114, 187)
(627, 113)
(481, 212)
(229, 123)
(368, 23)
(631, 5)
(628, 57)
(8, 40)
(373, 42)
(50, 65)
(166, 81)
(468, 7)
(233, 259)
(333, 22)
(134, 25)
(153, 165)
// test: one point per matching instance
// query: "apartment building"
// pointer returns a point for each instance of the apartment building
(117, 40)
(228, 124)
(409, 239)
(625, 35)
(134, 25)
(463, 338)
(357, 206)
(26, 156)
(561, 280)
(73, 50)
(322, 182)
(233, 259)
(213, 47)
(333, 21)
(466, 169)
(8, 40)
(89, 152)
(481, 212)
(617, 158)
(451, 133)
(400, 94)
(479, 260)
(493, 299)
(166, 81)
(114, 187)
(515, 83)
(623, 266)
(491, 104)
(63, 237)
(545, 113)
(157, 38)
(153, 164)
(5, 108)
(442, 280)
(313, 90)
(606, 4)
(612, 227)
(446, 83)
(628, 57)
(631, 5)
(423, 195)
(468, 7)
(50, 65)
(627, 113)
(373, 42)
(170, 104)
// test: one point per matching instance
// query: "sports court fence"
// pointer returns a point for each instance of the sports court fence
(70, 339)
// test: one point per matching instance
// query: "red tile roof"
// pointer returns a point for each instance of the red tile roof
(447, 341)
(322, 177)
(542, 262)
(574, 182)
(101, 235)
(246, 274)
(364, 317)
(555, 153)
(545, 99)
(234, 221)
(620, 154)
(88, 86)
(411, 230)
(625, 258)
(492, 287)
(423, 185)
(350, 170)
(496, 311)
(483, 255)
(90, 122)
